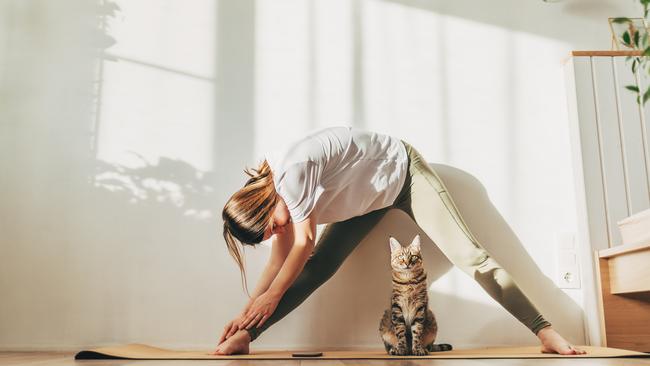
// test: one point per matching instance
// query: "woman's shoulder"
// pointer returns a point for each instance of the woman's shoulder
(314, 146)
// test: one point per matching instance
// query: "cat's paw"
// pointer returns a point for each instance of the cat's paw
(399, 351)
(420, 351)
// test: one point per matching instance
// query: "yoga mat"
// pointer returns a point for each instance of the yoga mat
(145, 352)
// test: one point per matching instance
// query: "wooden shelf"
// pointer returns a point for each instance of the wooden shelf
(606, 53)
(629, 268)
(622, 249)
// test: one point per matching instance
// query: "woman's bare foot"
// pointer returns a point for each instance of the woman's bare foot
(237, 344)
(553, 342)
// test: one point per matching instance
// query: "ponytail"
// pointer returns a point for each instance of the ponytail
(247, 213)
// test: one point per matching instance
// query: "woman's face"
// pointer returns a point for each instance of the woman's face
(279, 220)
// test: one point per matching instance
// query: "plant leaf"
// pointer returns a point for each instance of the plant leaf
(634, 63)
(621, 20)
(626, 39)
(636, 38)
(633, 88)
(646, 95)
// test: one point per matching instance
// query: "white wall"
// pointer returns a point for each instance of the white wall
(124, 126)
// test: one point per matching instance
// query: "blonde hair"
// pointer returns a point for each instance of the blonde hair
(248, 212)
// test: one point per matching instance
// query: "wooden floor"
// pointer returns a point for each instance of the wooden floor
(67, 359)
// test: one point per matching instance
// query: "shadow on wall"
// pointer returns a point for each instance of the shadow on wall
(169, 181)
(358, 293)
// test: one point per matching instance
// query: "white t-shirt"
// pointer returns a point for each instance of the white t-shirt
(339, 173)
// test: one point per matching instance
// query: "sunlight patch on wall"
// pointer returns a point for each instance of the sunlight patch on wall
(462, 286)
(282, 72)
(157, 86)
(171, 33)
(303, 69)
(155, 123)
(404, 76)
(155, 114)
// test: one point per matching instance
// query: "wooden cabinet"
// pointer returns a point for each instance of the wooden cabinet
(624, 278)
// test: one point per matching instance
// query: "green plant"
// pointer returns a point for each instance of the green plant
(637, 40)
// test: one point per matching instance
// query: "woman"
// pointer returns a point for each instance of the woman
(348, 179)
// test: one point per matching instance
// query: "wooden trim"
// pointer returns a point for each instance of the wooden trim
(605, 53)
(601, 271)
(622, 249)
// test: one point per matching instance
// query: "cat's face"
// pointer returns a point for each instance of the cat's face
(405, 258)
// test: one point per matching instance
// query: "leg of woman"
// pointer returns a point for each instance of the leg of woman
(337, 241)
(433, 209)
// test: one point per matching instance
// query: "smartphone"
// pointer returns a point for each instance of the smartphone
(307, 354)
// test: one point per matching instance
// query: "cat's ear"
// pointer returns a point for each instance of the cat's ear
(415, 244)
(394, 245)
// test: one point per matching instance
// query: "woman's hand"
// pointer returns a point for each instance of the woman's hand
(260, 310)
(232, 327)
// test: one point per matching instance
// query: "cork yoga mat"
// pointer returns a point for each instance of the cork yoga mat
(144, 352)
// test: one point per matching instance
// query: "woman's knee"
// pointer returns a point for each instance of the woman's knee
(471, 258)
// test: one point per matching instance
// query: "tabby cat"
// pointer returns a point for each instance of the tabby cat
(409, 327)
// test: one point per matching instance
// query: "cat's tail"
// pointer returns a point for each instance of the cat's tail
(440, 347)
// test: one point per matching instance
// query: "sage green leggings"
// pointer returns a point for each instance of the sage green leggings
(426, 200)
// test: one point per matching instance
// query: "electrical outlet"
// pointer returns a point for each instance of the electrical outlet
(568, 268)
(568, 278)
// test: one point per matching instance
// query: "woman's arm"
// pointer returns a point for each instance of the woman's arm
(281, 245)
(304, 235)
(303, 245)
